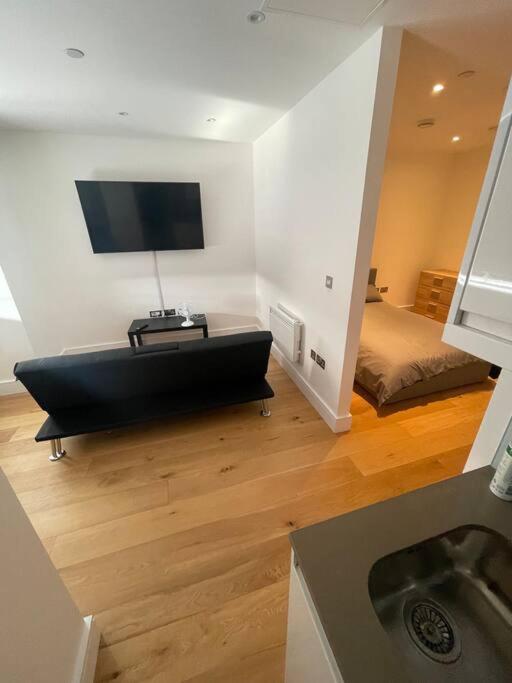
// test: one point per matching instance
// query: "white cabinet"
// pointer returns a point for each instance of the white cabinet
(308, 656)
(480, 318)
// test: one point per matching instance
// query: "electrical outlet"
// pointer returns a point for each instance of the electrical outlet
(328, 281)
(169, 311)
(313, 354)
(156, 314)
(320, 361)
(383, 290)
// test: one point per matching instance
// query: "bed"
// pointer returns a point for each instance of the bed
(401, 355)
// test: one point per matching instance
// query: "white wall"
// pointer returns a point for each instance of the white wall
(317, 179)
(464, 185)
(413, 197)
(426, 208)
(14, 342)
(69, 297)
(43, 635)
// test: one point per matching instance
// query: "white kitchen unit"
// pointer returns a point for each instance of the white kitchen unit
(309, 658)
(480, 318)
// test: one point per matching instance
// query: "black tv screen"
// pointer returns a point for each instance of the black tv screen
(128, 216)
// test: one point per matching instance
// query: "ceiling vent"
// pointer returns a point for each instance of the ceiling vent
(353, 12)
(426, 123)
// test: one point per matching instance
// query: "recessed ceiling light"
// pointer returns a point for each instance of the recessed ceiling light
(211, 119)
(456, 138)
(122, 113)
(425, 123)
(466, 74)
(74, 53)
(256, 17)
(438, 87)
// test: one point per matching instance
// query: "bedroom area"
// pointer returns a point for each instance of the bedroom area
(445, 115)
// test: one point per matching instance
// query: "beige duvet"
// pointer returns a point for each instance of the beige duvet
(399, 348)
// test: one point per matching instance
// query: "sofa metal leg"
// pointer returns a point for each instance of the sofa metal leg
(264, 409)
(57, 452)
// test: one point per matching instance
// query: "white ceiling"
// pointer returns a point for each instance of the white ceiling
(174, 63)
(467, 107)
(354, 12)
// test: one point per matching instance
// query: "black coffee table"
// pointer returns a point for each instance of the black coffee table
(168, 324)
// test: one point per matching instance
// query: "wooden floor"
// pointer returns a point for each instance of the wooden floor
(174, 534)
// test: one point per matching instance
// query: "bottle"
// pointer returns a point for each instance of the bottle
(501, 484)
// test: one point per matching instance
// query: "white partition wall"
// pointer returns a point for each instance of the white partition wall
(317, 175)
(43, 638)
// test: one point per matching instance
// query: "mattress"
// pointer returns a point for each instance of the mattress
(401, 355)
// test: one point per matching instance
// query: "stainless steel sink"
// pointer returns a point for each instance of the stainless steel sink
(446, 604)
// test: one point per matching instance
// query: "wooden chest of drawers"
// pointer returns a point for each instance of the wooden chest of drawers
(434, 295)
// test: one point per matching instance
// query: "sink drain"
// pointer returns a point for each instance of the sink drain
(432, 631)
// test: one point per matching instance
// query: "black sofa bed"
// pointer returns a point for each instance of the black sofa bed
(104, 390)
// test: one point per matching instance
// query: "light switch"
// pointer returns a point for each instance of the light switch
(328, 281)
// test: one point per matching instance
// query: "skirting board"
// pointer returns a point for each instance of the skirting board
(11, 386)
(338, 423)
(88, 653)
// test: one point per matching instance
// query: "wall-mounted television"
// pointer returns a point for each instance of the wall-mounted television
(138, 216)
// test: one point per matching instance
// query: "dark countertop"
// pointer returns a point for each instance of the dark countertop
(336, 557)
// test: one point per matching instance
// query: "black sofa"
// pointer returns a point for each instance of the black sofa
(104, 390)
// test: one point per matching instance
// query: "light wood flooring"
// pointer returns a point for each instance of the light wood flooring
(174, 533)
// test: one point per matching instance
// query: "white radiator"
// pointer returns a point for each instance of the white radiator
(287, 332)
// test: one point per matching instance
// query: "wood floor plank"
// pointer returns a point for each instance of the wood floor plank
(110, 506)
(416, 448)
(129, 657)
(196, 586)
(421, 425)
(15, 449)
(35, 457)
(284, 432)
(105, 581)
(18, 404)
(180, 515)
(51, 492)
(17, 422)
(174, 533)
(380, 436)
(372, 417)
(237, 468)
(213, 423)
(6, 435)
(193, 645)
(261, 667)
(49, 476)
(453, 461)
